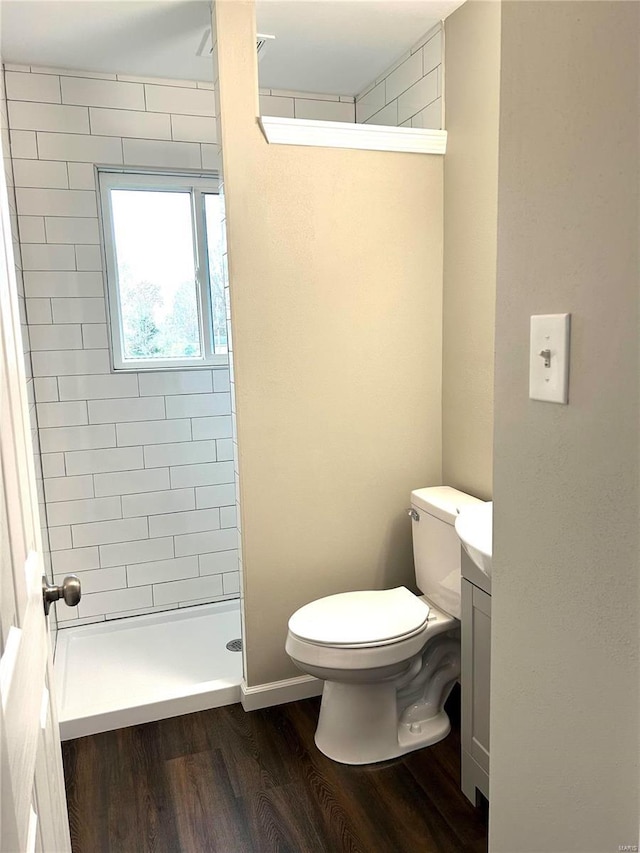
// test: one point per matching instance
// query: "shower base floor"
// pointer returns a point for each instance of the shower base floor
(145, 668)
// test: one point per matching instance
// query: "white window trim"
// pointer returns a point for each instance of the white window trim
(197, 185)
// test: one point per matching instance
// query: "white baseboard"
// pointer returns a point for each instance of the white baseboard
(279, 692)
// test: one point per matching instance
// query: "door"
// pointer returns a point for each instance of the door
(33, 814)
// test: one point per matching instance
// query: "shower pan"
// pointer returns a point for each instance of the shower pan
(139, 669)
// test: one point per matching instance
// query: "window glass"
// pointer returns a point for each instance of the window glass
(213, 219)
(158, 291)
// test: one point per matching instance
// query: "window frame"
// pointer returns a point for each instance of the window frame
(197, 185)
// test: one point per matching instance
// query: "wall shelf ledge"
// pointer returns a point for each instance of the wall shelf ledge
(366, 137)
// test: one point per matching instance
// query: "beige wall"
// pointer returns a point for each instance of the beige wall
(472, 84)
(336, 288)
(565, 718)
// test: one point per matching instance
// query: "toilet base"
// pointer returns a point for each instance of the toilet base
(359, 724)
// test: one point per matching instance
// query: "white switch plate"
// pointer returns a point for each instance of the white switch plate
(549, 358)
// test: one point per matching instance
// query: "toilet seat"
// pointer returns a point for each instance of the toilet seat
(363, 619)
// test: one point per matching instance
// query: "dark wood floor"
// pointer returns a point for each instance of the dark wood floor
(232, 782)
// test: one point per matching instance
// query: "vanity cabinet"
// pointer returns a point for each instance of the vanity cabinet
(475, 679)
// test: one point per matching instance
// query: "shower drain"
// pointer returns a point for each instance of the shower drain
(234, 645)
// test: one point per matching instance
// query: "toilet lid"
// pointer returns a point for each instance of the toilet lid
(363, 618)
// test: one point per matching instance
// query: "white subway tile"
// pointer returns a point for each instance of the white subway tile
(94, 336)
(313, 96)
(130, 123)
(371, 102)
(116, 601)
(59, 337)
(228, 516)
(404, 76)
(430, 117)
(274, 106)
(33, 201)
(432, 53)
(103, 461)
(79, 148)
(97, 387)
(221, 382)
(108, 532)
(75, 560)
(166, 155)
(31, 228)
(217, 427)
(48, 256)
(81, 176)
(126, 409)
(102, 93)
(62, 414)
(201, 543)
(46, 389)
(218, 562)
(178, 523)
(50, 174)
(198, 405)
(162, 571)
(70, 72)
(178, 382)
(38, 311)
(224, 449)
(23, 144)
(78, 309)
(193, 129)
(208, 496)
(132, 482)
(83, 511)
(77, 437)
(68, 488)
(153, 432)
(187, 590)
(388, 116)
(324, 110)
(72, 229)
(52, 117)
(142, 551)
(418, 96)
(63, 284)
(208, 474)
(211, 157)
(231, 582)
(181, 453)
(70, 362)
(53, 464)
(159, 81)
(100, 580)
(166, 99)
(32, 87)
(60, 538)
(156, 503)
(88, 258)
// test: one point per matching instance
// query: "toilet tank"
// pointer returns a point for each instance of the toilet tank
(436, 547)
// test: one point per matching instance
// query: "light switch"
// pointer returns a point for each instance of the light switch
(549, 358)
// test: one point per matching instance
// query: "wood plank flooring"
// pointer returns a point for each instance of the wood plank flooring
(230, 782)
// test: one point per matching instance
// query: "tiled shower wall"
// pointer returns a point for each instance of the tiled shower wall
(409, 94)
(138, 473)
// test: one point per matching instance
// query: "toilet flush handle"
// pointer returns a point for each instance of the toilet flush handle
(413, 514)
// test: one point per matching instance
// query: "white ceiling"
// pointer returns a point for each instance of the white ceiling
(330, 46)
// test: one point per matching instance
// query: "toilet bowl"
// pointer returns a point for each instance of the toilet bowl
(388, 658)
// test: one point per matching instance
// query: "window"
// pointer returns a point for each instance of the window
(162, 241)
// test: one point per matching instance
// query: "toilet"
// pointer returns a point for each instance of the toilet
(389, 658)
